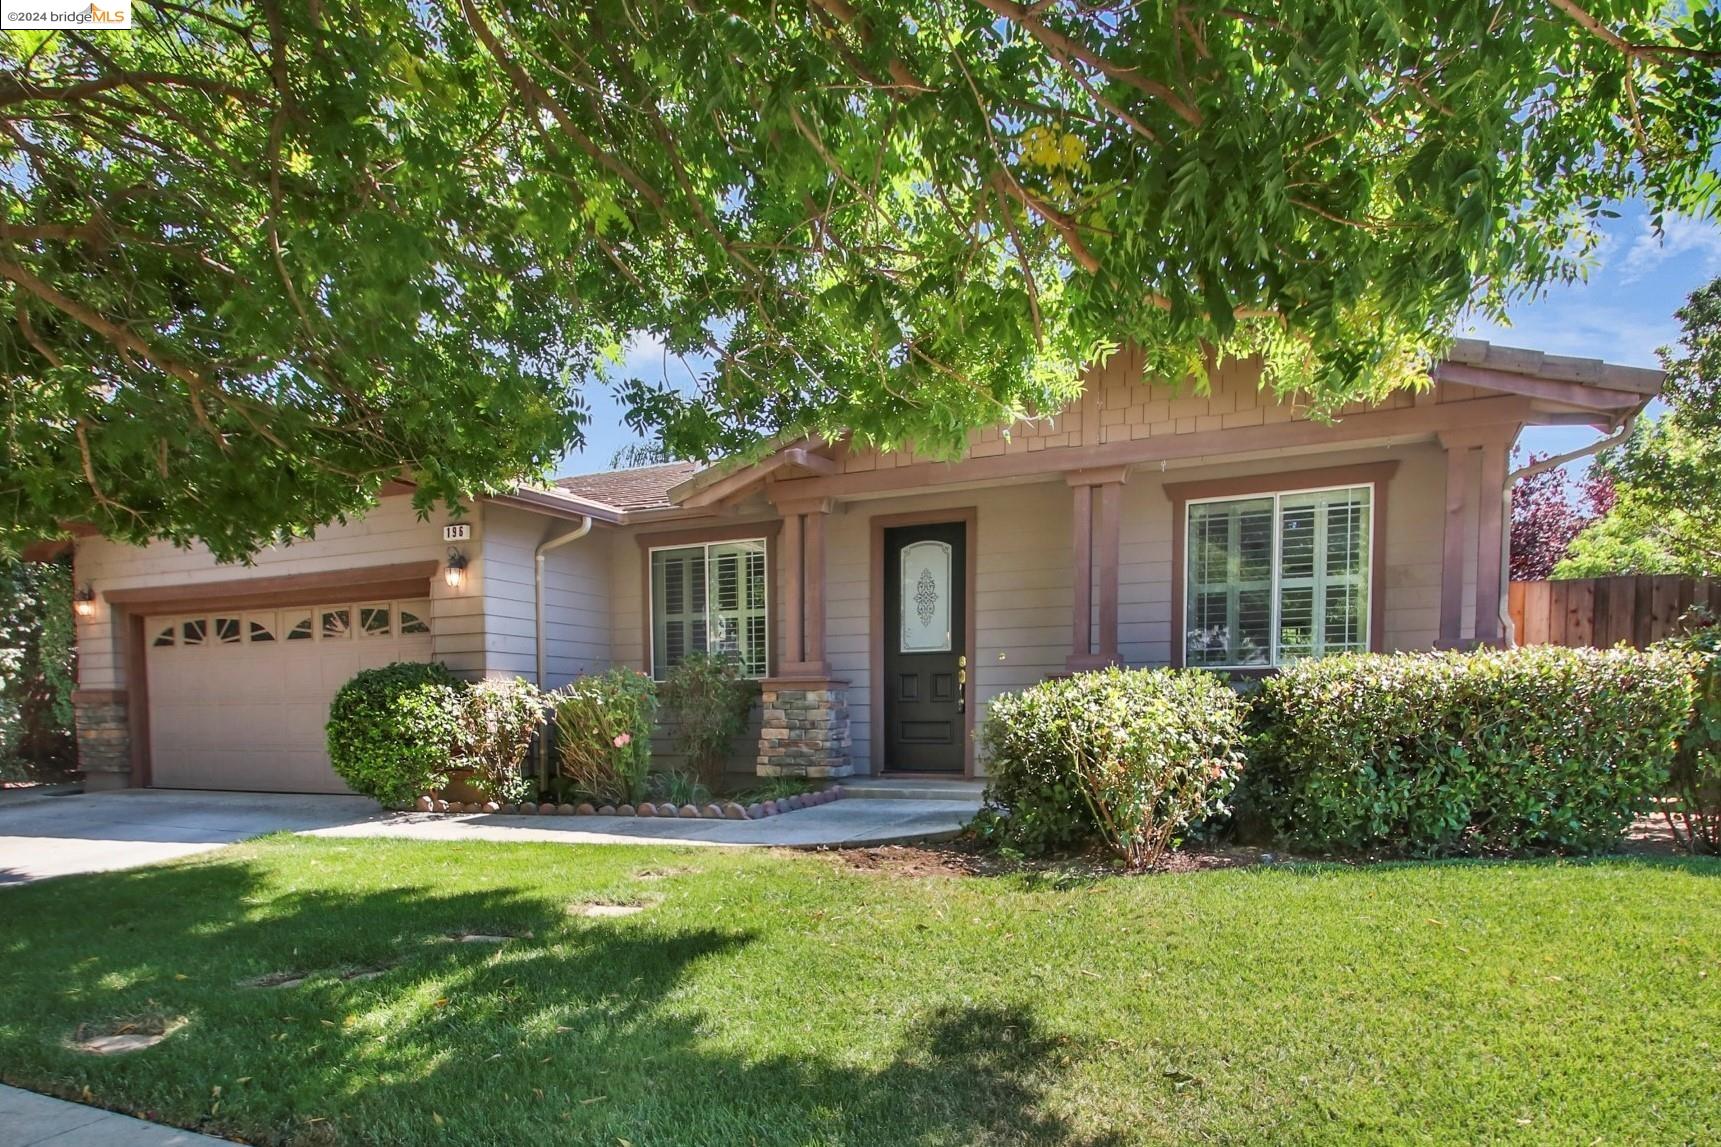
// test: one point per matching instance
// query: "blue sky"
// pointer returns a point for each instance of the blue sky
(1621, 313)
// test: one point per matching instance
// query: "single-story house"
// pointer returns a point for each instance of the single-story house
(882, 599)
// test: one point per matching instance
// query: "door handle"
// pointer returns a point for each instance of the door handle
(962, 684)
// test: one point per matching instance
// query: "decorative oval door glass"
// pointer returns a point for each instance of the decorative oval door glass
(925, 605)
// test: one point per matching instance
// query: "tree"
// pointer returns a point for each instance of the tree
(637, 454)
(1668, 473)
(260, 258)
(1549, 510)
(36, 665)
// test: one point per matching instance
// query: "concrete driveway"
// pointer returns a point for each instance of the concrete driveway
(98, 832)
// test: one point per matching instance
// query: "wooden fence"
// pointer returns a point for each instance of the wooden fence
(1605, 611)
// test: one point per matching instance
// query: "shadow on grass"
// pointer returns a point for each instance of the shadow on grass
(574, 1030)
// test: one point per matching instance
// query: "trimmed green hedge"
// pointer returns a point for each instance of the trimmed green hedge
(392, 731)
(1444, 753)
(1131, 756)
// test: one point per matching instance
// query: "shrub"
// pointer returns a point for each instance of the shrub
(603, 734)
(1135, 757)
(392, 731)
(710, 700)
(1439, 753)
(1694, 809)
(495, 724)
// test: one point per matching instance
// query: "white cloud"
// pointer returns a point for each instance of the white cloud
(1682, 237)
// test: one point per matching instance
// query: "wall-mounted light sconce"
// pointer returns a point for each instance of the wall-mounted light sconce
(455, 573)
(84, 603)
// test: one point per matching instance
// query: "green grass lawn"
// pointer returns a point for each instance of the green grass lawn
(775, 998)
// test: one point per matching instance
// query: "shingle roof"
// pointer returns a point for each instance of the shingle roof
(642, 488)
(1555, 367)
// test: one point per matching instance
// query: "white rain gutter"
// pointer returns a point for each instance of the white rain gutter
(578, 532)
(1530, 471)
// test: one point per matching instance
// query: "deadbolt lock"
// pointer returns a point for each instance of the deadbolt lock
(962, 661)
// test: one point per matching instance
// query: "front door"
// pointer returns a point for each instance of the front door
(925, 664)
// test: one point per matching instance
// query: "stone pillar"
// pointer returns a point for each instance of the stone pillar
(102, 719)
(804, 728)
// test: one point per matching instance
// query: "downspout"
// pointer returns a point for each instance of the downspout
(1530, 471)
(578, 532)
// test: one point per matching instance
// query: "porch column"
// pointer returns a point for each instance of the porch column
(1473, 544)
(1096, 504)
(804, 718)
(1490, 542)
(803, 604)
(1459, 529)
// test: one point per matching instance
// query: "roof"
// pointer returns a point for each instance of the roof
(1554, 367)
(642, 488)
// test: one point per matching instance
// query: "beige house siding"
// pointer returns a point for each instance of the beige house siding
(1023, 587)
(389, 534)
(577, 597)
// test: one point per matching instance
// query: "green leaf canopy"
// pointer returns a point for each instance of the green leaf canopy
(258, 259)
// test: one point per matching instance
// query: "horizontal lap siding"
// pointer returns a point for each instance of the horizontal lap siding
(390, 533)
(577, 597)
(1021, 594)
(1415, 521)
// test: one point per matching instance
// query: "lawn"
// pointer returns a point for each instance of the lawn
(776, 998)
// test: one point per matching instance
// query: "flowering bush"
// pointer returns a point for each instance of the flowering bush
(496, 721)
(603, 734)
(1133, 757)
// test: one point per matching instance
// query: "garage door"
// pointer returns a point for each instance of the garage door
(238, 700)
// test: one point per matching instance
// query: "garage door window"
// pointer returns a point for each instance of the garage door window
(324, 623)
(374, 621)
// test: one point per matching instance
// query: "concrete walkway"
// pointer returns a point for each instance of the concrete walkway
(848, 823)
(31, 1120)
(99, 832)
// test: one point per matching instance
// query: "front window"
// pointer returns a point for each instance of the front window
(709, 599)
(1277, 577)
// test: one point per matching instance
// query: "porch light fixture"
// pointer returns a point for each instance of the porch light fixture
(455, 573)
(84, 603)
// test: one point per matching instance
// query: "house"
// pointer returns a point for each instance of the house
(881, 599)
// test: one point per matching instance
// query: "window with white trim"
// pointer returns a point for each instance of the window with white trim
(1275, 577)
(710, 599)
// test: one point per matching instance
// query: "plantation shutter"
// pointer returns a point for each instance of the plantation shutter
(678, 606)
(1274, 578)
(1323, 573)
(1230, 588)
(710, 599)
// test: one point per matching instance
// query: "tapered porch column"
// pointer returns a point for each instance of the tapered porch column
(1096, 501)
(804, 721)
(803, 605)
(1473, 545)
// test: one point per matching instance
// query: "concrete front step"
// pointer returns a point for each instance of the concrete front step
(915, 788)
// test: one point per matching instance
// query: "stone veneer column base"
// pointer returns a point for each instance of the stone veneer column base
(804, 728)
(102, 719)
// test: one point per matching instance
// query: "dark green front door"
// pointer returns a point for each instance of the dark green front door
(925, 618)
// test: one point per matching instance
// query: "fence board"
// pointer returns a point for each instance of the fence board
(1638, 610)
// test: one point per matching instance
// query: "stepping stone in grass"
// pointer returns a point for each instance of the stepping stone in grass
(123, 1036)
(601, 910)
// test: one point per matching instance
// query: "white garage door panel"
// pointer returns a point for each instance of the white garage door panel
(249, 714)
